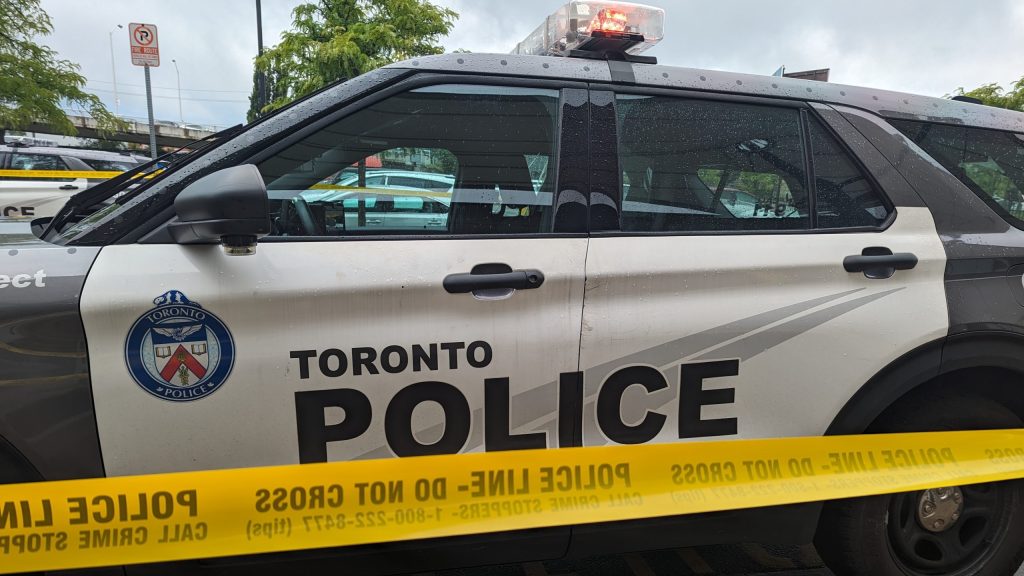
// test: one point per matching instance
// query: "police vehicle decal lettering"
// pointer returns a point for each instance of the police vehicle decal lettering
(14, 211)
(674, 373)
(178, 351)
(37, 279)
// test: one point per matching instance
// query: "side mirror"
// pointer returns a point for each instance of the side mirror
(229, 206)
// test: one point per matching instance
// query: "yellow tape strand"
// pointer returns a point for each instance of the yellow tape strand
(115, 521)
(59, 174)
(70, 174)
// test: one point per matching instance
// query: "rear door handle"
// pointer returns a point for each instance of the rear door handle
(493, 280)
(69, 187)
(879, 262)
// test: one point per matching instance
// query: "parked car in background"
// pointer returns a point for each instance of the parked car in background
(44, 194)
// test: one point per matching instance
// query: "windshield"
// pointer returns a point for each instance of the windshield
(124, 187)
(148, 200)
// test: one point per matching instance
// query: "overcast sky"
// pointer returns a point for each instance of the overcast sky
(920, 46)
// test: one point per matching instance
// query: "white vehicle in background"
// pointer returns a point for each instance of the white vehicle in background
(43, 195)
(401, 179)
(389, 199)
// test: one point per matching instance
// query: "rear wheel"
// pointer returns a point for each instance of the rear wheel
(973, 530)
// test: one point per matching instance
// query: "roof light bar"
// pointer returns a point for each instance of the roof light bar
(593, 26)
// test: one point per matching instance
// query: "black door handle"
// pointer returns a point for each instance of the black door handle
(69, 187)
(879, 263)
(493, 277)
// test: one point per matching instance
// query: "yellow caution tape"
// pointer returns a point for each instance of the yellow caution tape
(70, 174)
(135, 519)
(60, 174)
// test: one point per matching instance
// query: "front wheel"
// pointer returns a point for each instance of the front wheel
(975, 530)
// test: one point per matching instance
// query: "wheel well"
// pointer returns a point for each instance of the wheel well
(999, 384)
(987, 363)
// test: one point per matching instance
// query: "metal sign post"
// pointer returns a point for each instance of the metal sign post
(146, 53)
(152, 122)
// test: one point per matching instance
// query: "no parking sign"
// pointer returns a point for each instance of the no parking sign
(145, 50)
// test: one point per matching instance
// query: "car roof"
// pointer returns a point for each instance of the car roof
(885, 103)
(73, 152)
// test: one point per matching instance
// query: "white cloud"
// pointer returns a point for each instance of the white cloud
(924, 46)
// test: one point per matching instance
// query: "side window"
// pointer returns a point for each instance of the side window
(691, 165)
(110, 165)
(989, 162)
(844, 197)
(38, 162)
(451, 159)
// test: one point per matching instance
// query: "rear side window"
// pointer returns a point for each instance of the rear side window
(989, 162)
(694, 166)
(690, 165)
(845, 197)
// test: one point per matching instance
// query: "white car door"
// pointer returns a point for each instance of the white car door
(335, 344)
(705, 319)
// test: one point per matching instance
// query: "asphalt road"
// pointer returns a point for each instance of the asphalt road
(730, 560)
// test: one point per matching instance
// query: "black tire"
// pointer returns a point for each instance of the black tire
(874, 536)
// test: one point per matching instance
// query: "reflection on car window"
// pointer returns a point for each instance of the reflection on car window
(438, 160)
(743, 193)
(989, 162)
(692, 165)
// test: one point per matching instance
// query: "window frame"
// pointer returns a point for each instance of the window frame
(807, 114)
(433, 79)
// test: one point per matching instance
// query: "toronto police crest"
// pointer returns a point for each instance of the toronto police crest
(178, 351)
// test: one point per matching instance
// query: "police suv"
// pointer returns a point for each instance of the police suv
(42, 196)
(631, 253)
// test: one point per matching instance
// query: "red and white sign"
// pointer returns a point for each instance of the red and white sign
(145, 50)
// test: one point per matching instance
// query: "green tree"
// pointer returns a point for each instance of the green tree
(34, 81)
(340, 39)
(994, 95)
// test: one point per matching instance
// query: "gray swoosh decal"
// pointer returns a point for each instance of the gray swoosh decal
(694, 343)
(535, 403)
(755, 344)
(747, 348)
